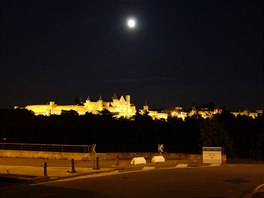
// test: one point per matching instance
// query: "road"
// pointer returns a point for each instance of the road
(214, 182)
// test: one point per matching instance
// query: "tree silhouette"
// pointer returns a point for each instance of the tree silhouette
(242, 136)
(213, 133)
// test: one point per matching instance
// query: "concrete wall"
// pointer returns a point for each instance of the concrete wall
(102, 156)
(44, 155)
(87, 156)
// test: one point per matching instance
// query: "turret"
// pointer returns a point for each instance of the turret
(52, 103)
(128, 99)
(114, 97)
(87, 102)
(145, 107)
(100, 104)
(115, 101)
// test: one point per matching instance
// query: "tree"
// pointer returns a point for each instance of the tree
(213, 133)
(69, 113)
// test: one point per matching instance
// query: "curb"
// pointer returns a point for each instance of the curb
(258, 189)
(257, 192)
(40, 179)
(81, 174)
(24, 178)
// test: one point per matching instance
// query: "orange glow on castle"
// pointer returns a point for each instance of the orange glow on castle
(122, 107)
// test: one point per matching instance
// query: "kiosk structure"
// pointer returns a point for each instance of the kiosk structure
(212, 155)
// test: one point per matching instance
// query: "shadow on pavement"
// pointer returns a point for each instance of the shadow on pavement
(27, 191)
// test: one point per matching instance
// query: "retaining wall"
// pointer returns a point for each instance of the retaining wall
(102, 156)
(44, 155)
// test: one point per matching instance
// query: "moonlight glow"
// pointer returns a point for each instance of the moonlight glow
(131, 23)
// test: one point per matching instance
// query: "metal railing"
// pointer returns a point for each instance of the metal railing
(46, 147)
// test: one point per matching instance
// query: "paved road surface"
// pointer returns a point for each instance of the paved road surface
(208, 182)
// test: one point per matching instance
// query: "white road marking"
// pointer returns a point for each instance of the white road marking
(181, 165)
(215, 165)
(148, 168)
(121, 172)
(78, 177)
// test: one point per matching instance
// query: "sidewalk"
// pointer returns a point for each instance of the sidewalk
(32, 170)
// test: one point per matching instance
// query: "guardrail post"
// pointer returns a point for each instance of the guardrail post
(45, 168)
(73, 167)
(97, 163)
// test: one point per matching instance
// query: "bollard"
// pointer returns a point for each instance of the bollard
(93, 161)
(73, 167)
(97, 163)
(117, 160)
(45, 168)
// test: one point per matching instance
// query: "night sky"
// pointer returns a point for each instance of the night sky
(180, 53)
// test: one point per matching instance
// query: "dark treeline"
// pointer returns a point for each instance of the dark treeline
(241, 136)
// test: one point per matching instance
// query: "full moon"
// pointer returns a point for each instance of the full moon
(131, 23)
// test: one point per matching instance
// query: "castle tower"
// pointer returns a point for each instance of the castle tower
(145, 107)
(52, 103)
(100, 104)
(87, 102)
(115, 101)
(128, 99)
(128, 103)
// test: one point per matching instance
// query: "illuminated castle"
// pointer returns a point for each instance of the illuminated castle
(154, 114)
(120, 107)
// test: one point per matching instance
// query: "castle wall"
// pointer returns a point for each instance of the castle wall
(120, 106)
(123, 108)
